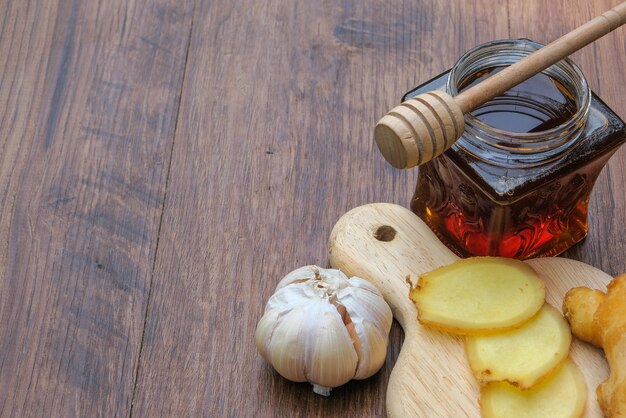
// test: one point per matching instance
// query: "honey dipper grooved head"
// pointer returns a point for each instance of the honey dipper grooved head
(419, 129)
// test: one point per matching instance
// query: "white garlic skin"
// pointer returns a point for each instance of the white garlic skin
(321, 327)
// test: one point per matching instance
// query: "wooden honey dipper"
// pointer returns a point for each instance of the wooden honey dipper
(423, 127)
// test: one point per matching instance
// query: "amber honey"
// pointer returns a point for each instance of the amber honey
(518, 182)
(535, 105)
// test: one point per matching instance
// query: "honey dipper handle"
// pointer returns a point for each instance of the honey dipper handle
(423, 127)
(538, 61)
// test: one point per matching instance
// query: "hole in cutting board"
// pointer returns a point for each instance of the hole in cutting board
(385, 233)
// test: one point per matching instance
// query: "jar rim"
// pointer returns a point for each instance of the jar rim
(522, 47)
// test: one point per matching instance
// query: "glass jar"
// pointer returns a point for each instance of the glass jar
(517, 182)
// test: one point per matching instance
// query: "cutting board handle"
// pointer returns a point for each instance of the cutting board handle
(385, 244)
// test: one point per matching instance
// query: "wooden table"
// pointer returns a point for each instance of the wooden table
(163, 163)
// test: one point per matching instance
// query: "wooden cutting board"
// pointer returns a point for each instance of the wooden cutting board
(385, 243)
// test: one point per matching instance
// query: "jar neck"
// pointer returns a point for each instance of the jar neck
(519, 149)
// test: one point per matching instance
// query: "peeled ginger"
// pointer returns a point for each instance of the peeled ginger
(522, 356)
(562, 395)
(478, 296)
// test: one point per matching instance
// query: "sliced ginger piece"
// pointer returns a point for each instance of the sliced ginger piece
(562, 395)
(478, 296)
(521, 356)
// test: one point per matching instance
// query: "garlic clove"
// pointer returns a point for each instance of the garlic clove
(371, 318)
(264, 330)
(284, 346)
(373, 353)
(364, 300)
(330, 354)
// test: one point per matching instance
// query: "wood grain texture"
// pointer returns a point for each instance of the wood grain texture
(111, 268)
(263, 166)
(89, 93)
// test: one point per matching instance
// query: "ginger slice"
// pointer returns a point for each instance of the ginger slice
(478, 296)
(521, 356)
(562, 395)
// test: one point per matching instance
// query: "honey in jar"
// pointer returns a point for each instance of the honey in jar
(517, 183)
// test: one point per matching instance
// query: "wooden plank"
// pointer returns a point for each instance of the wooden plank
(89, 95)
(602, 64)
(264, 164)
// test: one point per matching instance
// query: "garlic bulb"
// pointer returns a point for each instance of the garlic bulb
(321, 327)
